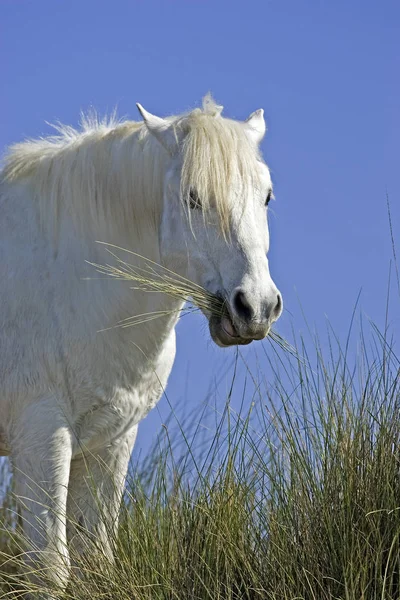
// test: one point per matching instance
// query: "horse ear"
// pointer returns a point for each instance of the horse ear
(160, 128)
(255, 126)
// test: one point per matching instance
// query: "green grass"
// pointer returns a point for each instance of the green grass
(296, 497)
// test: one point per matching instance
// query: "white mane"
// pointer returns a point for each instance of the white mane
(111, 169)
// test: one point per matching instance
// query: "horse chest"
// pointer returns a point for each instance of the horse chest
(109, 417)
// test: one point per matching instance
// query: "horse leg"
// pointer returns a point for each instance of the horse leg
(94, 496)
(41, 455)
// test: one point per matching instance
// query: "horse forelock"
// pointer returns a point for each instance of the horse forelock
(219, 161)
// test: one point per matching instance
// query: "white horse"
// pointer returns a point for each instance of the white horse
(187, 192)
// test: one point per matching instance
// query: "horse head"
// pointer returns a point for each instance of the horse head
(214, 222)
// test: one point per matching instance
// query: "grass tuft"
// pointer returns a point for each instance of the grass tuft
(296, 497)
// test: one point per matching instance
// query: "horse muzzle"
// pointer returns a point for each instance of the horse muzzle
(224, 333)
(240, 324)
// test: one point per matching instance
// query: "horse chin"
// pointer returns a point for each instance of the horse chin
(222, 337)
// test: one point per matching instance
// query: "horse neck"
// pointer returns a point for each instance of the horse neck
(138, 164)
(132, 194)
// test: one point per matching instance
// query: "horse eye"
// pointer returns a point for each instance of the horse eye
(194, 200)
(268, 198)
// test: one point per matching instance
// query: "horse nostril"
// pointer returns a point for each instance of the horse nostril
(278, 306)
(242, 306)
(274, 309)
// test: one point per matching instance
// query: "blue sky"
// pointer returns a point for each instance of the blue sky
(327, 75)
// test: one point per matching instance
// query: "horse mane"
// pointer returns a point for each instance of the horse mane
(96, 172)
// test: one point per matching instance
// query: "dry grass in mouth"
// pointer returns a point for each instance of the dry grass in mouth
(153, 277)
